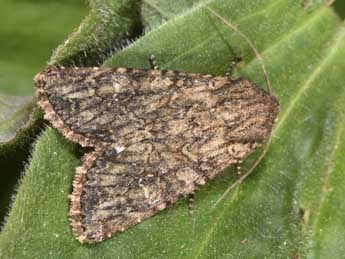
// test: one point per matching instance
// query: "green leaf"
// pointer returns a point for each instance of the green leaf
(292, 204)
(108, 24)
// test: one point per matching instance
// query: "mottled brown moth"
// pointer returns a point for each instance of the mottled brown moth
(157, 135)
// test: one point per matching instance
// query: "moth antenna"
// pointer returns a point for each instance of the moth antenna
(268, 83)
(250, 43)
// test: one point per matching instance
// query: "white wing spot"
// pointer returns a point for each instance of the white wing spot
(119, 149)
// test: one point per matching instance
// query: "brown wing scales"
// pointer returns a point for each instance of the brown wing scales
(157, 135)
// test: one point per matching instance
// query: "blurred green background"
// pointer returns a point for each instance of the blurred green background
(30, 30)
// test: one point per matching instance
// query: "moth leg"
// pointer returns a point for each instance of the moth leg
(153, 63)
(230, 68)
(238, 169)
(191, 203)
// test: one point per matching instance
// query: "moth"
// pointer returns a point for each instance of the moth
(156, 136)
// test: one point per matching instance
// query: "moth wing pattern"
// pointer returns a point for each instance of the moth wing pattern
(157, 135)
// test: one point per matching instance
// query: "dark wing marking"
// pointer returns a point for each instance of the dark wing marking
(181, 128)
